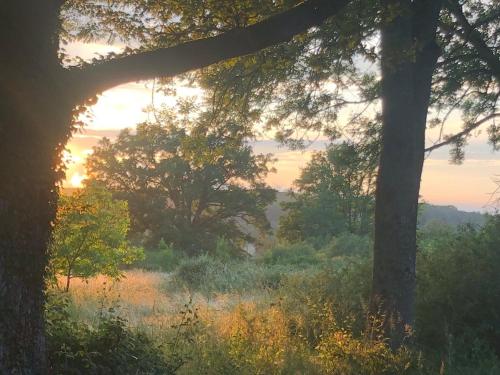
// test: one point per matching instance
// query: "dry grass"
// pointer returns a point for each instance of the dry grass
(243, 332)
(142, 299)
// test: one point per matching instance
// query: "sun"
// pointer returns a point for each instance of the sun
(76, 180)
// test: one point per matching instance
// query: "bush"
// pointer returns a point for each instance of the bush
(109, 348)
(226, 251)
(299, 254)
(208, 275)
(340, 353)
(458, 297)
(348, 244)
(164, 258)
(263, 340)
(343, 287)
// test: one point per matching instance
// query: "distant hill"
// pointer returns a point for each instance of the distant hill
(449, 215)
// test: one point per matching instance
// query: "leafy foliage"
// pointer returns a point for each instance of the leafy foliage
(458, 290)
(335, 194)
(308, 314)
(162, 258)
(90, 235)
(296, 254)
(189, 187)
(108, 348)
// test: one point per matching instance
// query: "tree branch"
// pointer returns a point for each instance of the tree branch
(463, 133)
(470, 34)
(171, 61)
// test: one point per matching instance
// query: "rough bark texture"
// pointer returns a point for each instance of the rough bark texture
(37, 100)
(33, 122)
(409, 55)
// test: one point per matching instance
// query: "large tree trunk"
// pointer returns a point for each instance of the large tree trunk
(35, 113)
(409, 55)
(28, 145)
(25, 216)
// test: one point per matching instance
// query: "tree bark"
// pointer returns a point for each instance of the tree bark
(31, 134)
(35, 114)
(409, 55)
(27, 207)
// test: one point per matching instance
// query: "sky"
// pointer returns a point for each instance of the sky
(467, 186)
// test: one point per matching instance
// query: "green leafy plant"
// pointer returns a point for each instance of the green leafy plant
(163, 258)
(90, 235)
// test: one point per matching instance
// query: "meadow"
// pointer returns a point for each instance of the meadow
(290, 310)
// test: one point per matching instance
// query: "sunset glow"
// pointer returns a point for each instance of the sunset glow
(76, 180)
(466, 186)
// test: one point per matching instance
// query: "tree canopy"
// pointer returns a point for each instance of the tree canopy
(335, 194)
(35, 73)
(187, 181)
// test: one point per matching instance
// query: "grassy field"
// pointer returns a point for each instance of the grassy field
(292, 310)
(146, 301)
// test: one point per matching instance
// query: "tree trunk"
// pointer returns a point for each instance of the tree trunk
(68, 281)
(409, 55)
(29, 139)
(35, 118)
(24, 218)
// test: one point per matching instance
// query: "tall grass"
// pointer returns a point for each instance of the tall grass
(277, 315)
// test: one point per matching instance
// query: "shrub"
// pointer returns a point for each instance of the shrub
(164, 258)
(299, 254)
(208, 275)
(343, 288)
(263, 340)
(348, 244)
(225, 250)
(108, 348)
(340, 353)
(458, 295)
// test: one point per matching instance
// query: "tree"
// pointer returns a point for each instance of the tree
(335, 194)
(439, 55)
(176, 37)
(41, 100)
(90, 235)
(187, 182)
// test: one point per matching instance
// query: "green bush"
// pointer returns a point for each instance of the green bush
(108, 348)
(164, 258)
(226, 251)
(348, 244)
(458, 298)
(299, 254)
(208, 275)
(343, 286)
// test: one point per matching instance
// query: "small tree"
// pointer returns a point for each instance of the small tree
(90, 235)
(334, 194)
